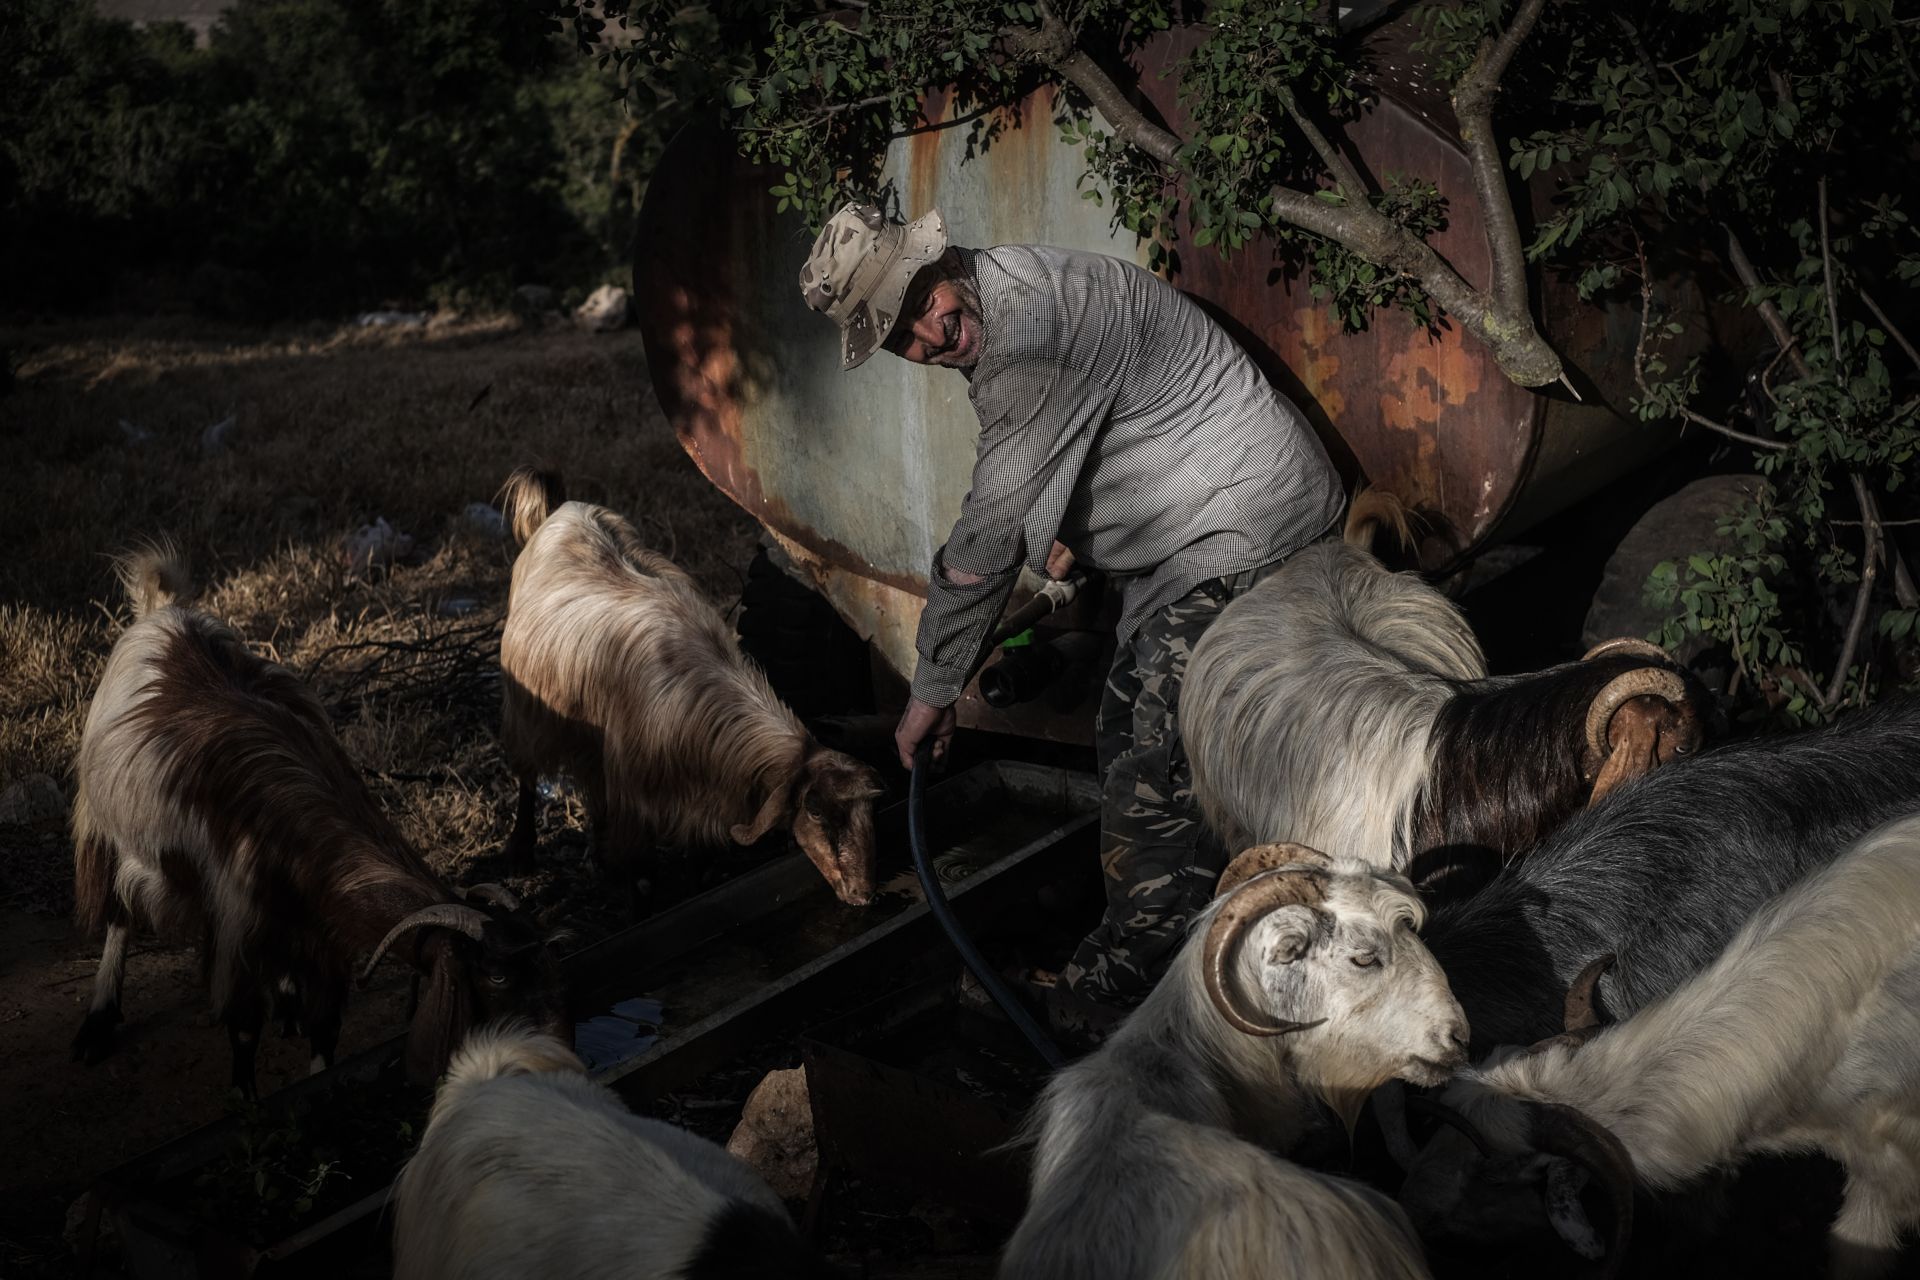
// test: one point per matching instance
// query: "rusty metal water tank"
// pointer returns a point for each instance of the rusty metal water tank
(860, 475)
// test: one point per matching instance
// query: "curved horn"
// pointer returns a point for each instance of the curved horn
(1286, 885)
(446, 915)
(1623, 646)
(1582, 1014)
(1435, 1109)
(1657, 681)
(1581, 1021)
(494, 894)
(1262, 858)
(1562, 1131)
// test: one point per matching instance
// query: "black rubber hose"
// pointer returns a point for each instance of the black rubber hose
(943, 912)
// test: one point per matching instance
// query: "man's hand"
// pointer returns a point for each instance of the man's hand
(1059, 562)
(919, 720)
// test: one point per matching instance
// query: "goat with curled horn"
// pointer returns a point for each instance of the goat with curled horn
(1350, 708)
(1163, 1153)
(1800, 1037)
(212, 794)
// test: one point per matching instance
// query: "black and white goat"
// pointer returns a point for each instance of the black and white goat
(1349, 708)
(528, 1168)
(1156, 1155)
(1802, 1036)
(1669, 869)
(212, 793)
(619, 672)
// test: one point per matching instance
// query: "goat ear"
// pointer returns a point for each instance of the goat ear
(772, 810)
(1564, 1212)
(1634, 733)
(444, 1014)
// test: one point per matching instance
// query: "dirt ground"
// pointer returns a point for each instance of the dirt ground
(266, 457)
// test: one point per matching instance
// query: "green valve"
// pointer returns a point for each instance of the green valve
(1020, 641)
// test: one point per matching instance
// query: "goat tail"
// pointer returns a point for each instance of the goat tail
(527, 498)
(1373, 508)
(153, 575)
(509, 1048)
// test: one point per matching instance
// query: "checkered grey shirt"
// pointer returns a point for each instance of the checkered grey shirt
(1118, 419)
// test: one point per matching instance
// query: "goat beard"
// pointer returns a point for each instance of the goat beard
(1347, 1101)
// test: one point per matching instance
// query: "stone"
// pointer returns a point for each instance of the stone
(33, 799)
(604, 311)
(484, 519)
(533, 299)
(1672, 529)
(775, 1134)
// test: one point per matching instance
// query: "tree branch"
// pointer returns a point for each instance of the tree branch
(1053, 45)
(1640, 363)
(1473, 106)
(1503, 323)
(1826, 266)
(1892, 330)
(1869, 570)
(1769, 314)
(1345, 178)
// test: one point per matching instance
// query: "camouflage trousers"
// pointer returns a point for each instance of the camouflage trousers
(1159, 862)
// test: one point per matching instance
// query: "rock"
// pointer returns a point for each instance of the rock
(484, 519)
(1673, 528)
(775, 1134)
(604, 311)
(458, 606)
(374, 545)
(133, 433)
(35, 798)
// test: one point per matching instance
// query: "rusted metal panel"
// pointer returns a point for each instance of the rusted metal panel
(860, 475)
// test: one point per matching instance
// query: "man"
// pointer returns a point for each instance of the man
(1120, 426)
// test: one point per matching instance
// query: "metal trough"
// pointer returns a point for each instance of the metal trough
(739, 963)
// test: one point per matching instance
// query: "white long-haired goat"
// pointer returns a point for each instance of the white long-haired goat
(1156, 1154)
(618, 671)
(528, 1168)
(1803, 1036)
(1347, 707)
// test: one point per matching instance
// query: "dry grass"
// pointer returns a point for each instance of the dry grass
(331, 429)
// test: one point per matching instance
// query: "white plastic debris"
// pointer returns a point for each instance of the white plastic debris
(377, 544)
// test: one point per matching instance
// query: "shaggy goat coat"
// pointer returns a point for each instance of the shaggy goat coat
(1156, 1155)
(619, 672)
(1309, 705)
(211, 792)
(527, 1168)
(1802, 1036)
(1664, 873)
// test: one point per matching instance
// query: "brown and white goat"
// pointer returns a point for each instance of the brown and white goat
(619, 672)
(1347, 707)
(213, 792)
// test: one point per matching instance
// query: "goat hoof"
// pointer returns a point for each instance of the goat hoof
(95, 1038)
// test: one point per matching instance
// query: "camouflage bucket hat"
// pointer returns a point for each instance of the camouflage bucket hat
(859, 270)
